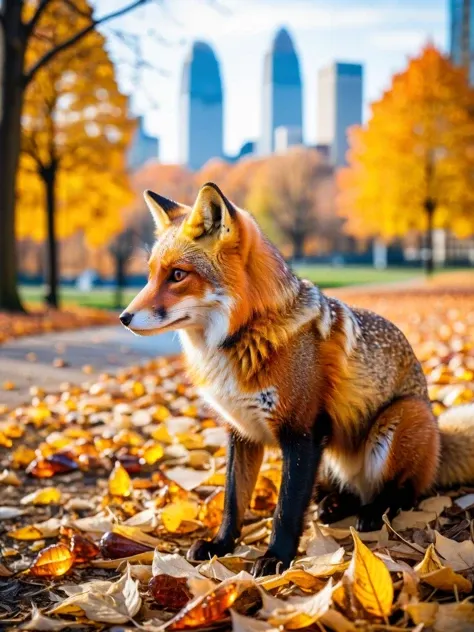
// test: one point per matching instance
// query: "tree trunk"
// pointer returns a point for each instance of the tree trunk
(49, 179)
(119, 280)
(11, 92)
(430, 207)
(298, 246)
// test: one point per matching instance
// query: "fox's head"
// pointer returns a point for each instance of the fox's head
(210, 269)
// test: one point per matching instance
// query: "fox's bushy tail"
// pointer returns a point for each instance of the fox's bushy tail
(457, 446)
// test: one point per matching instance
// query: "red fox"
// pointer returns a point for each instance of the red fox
(338, 389)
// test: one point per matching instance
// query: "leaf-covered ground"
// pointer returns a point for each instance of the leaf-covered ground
(45, 321)
(105, 486)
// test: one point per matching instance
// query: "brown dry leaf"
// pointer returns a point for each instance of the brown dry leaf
(455, 617)
(4, 571)
(424, 613)
(458, 555)
(413, 519)
(45, 496)
(431, 571)
(170, 592)
(320, 544)
(370, 580)
(437, 504)
(53, 561)
(7, 477)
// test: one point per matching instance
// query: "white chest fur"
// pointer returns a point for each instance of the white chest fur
(248, 413)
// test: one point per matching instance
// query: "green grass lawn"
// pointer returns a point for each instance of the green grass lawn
(328, 276)
(98, 297)
(324, 276)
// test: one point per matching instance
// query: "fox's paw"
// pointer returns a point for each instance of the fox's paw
(268, 564)
(337, 506)
(203, 550)
(369, 519)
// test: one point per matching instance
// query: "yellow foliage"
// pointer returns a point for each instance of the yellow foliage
(416, 147)
(74, 117)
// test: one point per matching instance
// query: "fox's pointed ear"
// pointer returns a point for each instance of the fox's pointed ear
(164, 211)
(212, 213)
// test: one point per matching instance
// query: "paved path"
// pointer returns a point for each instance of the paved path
(104, 348)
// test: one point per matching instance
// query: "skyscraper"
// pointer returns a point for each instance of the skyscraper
(143, 146)
(201, 108)
(461, 13)
(282, 91)
(340, 107)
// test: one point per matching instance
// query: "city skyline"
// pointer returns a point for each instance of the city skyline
(201, 107)
(381, 37)
(282, 92)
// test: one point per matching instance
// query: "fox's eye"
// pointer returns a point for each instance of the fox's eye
(178, 275)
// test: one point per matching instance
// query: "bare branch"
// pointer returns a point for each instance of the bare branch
(36, 17)
(78, 36)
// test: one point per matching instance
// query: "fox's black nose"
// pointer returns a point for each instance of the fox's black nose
(126, 318)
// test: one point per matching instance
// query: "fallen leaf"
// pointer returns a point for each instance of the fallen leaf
(320, 544)
(113, 545)
(45, 496)
(437, 504)
(39, 622)
(7, 477)
(370, 580)
(413, 519)
(187, 478)
(170, 592)
(212, 606)
(7, 513)
(298, 612)
(432, 571)
(424, 613)
(174, 516)
(53, 561)
(458, 555)
(108, 603)
(120, 483)
(173, 565)
(241, 623)
(455, 617)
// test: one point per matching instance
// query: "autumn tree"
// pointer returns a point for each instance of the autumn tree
(121, 249)
(18, 22)
(75, 132)
(412, 166)
(291, 192)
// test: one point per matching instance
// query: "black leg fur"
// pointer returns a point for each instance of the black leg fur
(301, 457)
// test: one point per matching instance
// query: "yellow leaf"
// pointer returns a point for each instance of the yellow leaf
(422, 613)
(46, 496)
(120, 483)
(371, 582)
(174, 514)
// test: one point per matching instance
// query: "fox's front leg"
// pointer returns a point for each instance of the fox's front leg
(302, 453)
(244, 459)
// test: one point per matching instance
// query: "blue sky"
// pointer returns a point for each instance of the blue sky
(381, 34)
